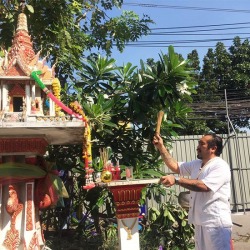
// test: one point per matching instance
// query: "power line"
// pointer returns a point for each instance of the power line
(238, 104)
(185, 7)
(202, 26)
(189, 29)
(152, 43)
(189, 46)
(192, 31)
(204, 34)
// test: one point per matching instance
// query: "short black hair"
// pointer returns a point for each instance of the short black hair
(215, 141)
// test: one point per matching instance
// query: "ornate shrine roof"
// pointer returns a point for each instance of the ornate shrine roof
(17, 64)
(21, 59)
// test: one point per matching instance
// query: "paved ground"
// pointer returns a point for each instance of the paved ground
(241, 231)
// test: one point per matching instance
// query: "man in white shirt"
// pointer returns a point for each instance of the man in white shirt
(209, 183)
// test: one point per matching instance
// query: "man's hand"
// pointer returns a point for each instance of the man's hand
(166, 156)
(157, 141)
(167, 180)
(191, 184)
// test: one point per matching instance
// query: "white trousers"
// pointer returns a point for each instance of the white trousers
(212, 238)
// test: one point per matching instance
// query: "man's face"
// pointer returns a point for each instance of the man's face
(203, 152)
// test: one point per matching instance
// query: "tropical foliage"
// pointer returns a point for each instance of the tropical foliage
(223, 85)
(167, 226)
(66, 31)
(122, 105)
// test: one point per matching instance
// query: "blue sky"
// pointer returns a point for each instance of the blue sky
(208, 14)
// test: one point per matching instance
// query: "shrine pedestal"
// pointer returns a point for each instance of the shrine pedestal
(126, 197)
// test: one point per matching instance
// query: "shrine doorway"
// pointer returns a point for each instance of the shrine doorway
(17, 104)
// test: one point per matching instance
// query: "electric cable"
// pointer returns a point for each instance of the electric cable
(185, 7)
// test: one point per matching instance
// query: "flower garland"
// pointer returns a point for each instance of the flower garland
(87, 146)
(87, 155)
(129, 229)
(57, 93)
(77, 108)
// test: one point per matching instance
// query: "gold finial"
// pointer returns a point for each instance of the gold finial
(22, 22)
(22, 5)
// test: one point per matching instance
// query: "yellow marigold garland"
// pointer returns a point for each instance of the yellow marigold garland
(86, 153)
(78, 109)
(57, 93)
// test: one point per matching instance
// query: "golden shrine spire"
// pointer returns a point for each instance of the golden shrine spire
(22, 22)
(22, 19)
(21, 59)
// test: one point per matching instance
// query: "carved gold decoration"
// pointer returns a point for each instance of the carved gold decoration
(13, 208)
(127, 215)
(128, 194)
(29, 221)
(129, 229)
(12, 240)
(33, 242)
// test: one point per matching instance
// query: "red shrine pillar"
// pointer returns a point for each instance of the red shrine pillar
(19, 218)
